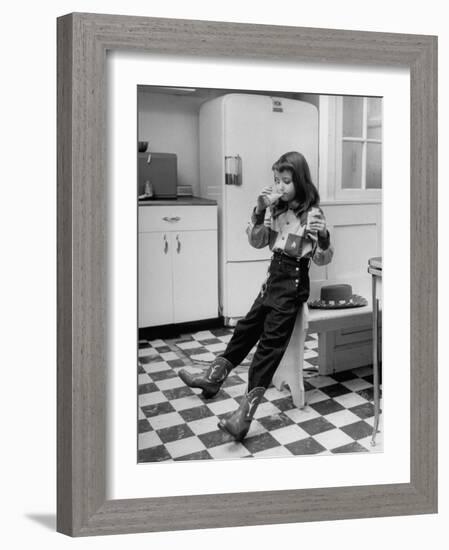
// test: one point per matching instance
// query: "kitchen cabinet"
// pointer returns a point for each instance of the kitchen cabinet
(178, 272)
(155, 272)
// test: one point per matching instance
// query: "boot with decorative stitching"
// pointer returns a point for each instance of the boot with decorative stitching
(238, 423)
(212, 381)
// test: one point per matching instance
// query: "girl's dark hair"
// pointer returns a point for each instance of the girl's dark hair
(305, 191)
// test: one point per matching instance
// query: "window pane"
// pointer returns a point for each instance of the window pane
(351, 165)
(352, 116)
(374, 166)
(374, 118)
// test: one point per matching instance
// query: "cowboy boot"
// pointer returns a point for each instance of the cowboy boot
(211, 382)
(238, 423)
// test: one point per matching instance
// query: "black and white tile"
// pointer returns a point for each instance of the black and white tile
(176, 423)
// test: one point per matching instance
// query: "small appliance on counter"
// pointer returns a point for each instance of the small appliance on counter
(157, 175)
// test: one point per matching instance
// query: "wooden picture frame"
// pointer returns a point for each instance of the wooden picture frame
(83, 40)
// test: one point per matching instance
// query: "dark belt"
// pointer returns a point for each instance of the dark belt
(283, 257)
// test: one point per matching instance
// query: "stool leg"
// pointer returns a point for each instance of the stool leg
(375, 364)
(290, 370)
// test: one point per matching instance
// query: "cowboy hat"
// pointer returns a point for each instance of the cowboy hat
(337, 297)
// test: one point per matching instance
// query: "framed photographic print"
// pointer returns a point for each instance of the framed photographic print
(168, 133)
(197, 278)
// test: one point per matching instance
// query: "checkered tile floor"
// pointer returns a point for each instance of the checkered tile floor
(176, 423)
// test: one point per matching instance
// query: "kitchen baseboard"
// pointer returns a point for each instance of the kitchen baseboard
(175, 330)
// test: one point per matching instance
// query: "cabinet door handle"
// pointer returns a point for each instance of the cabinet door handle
(166, 244)
(178, 249)
(171, 218)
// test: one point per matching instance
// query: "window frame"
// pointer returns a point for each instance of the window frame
(331, 155)
(361, 192)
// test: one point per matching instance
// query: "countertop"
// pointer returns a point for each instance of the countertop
(375, 266)
(375, 262)
(179, 201)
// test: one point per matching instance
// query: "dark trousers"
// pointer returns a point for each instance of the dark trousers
(271, 319)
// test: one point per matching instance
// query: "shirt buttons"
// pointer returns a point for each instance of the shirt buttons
(296, 281)
(297, 269)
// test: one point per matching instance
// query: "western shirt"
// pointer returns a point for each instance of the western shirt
(287, 232)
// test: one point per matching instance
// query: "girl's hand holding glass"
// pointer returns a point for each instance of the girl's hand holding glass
(316, 223)
(267, 198)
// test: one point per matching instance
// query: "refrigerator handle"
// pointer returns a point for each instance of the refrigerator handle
(233, 170)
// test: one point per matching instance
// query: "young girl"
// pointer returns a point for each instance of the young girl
(297, 234)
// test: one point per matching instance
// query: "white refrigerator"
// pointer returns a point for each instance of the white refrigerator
(257, 130)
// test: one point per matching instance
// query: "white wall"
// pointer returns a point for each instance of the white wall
(159, 115)
(28, 275)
